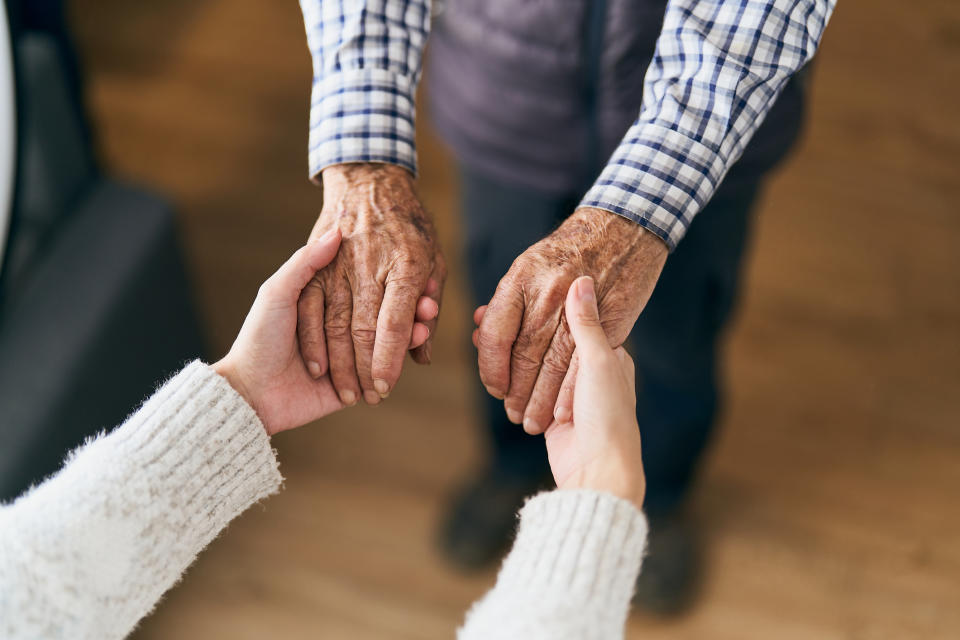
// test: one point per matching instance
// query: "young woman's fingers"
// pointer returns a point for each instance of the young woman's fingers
(296, 273)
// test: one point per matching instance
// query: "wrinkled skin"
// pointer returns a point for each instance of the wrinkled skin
(264, 364)
(357, 315)
(523, 342)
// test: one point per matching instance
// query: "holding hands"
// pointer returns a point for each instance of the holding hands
(523, 341)
(361, 310)
(264, 364)
(599, 448)
(594, 443)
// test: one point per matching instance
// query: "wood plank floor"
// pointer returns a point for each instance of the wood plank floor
(831, 492)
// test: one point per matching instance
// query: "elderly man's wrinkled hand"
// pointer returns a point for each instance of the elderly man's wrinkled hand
(523, 341)
(356, 317)
(264, 364)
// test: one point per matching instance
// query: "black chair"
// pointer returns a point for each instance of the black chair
(95, 304)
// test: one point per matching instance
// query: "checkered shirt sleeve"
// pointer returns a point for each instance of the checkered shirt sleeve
(367, 57)
(719, 66)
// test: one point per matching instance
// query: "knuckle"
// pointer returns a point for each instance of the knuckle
(492, 342)
(405, 286)
(310, 332)
(525, 342)
(535, 334)
(338, 307)
(313, 293)
(555, 364)
(336, 327)
(368, 293)
(523, 363)
(563, 340)
(410, 265)
(363, 337)
(268, 289)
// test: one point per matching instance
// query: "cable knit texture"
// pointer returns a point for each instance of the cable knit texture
(90, 551)
(570, 574)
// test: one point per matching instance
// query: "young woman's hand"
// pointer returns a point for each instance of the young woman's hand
(264, 364)
(600, 447)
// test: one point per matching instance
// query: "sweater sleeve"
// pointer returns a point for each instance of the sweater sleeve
(570, 574)
(90, 551)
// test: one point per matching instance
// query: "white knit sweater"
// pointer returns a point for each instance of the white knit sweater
(90, 552)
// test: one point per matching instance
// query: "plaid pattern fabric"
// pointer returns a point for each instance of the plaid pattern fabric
(367, 58)
(718, 68)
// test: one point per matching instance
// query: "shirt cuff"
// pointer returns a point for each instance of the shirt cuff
(659, 178)
(362, 115)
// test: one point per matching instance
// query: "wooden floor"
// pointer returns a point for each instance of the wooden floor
(832, 493)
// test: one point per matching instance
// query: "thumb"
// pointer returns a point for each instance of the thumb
(584, 319)
(290, 279)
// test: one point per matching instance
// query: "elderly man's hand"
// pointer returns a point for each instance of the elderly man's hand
(360, 310)
(264, 364)
(523, 341)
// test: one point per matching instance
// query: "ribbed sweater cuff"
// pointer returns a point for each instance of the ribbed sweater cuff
(212, 454)
(582, 546)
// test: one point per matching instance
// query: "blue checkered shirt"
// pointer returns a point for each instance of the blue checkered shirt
(719, 66)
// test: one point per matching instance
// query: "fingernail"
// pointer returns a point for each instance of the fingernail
(514, 416)
(585, 290)
(530, 425)
(562, 415)
(371, 397)
(382, 388)
(496, 394)
(349, 398)
(314, 369)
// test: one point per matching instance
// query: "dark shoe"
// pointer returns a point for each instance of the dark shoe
(672, 570)
(482, 519)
